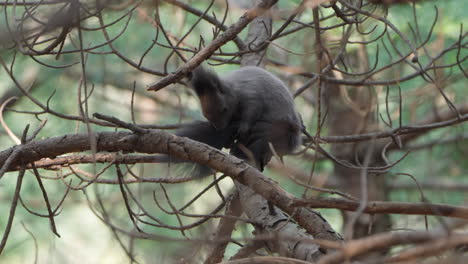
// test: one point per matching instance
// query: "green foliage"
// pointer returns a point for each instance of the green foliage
(110, 79)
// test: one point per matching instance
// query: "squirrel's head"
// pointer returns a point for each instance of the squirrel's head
(218, 102)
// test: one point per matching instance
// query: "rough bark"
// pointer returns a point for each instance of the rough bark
(352, 112)
(259, 209)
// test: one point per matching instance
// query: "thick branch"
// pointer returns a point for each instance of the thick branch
(384, 240)
(155, 141)
(378, 207)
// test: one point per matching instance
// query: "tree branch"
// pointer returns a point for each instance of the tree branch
(204, 53)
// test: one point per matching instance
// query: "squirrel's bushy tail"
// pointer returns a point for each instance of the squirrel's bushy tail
(204, 132)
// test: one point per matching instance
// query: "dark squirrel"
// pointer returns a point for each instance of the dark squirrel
(249, 107)
(258, 103)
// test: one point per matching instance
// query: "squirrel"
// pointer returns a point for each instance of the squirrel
(258, 103)
(249, 107)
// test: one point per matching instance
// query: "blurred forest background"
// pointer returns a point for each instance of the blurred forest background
(381, 86)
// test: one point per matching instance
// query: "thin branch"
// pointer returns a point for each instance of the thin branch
(204, 53)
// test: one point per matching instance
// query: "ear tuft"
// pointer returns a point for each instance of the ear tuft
(204, 81)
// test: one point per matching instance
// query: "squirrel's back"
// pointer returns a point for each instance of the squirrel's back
(279, 123)
(255, 82)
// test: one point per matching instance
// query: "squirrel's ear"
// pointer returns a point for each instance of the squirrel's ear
(204, 81)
